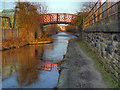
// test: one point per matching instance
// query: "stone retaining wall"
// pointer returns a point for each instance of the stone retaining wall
(108, 46)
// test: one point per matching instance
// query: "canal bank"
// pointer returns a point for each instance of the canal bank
(79, 70)
(11, 44)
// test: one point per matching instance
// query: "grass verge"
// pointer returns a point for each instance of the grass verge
(107, 77)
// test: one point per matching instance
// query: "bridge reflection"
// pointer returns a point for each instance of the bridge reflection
(49, 66)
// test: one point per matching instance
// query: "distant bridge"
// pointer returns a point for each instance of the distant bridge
(57, 18)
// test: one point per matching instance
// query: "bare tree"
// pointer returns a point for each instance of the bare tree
(70, 28)
(52, 29)
(27, 16)
(42, 8)
(84, 10)
(87, 6)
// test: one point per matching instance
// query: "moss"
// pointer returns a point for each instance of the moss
(108, 78)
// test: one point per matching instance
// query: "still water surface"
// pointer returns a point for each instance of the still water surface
(34, 66)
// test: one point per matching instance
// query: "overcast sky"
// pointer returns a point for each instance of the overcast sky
(54, 6)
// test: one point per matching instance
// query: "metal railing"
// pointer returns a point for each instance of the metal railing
(56, 18)
(102, 12)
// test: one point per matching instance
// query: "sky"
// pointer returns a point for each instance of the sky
(55, 6)
(63, 7)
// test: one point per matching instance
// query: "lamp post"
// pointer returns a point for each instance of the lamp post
(4, 4)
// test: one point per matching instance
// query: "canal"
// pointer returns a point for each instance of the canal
(34, 66)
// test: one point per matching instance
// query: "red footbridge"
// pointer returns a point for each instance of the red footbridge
(57, 18)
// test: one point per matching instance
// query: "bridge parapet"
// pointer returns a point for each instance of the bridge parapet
(103, 17)
(57, 18)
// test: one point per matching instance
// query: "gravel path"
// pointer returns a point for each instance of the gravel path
(78, 70)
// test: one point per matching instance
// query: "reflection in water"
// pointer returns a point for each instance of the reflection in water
(22, 62)
(34, 66)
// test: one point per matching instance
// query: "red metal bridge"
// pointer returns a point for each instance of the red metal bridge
(57, 18)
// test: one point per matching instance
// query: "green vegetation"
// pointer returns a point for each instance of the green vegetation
(107, 77)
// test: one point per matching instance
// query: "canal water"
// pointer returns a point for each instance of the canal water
(34, 66)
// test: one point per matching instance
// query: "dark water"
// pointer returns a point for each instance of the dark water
(34, 66)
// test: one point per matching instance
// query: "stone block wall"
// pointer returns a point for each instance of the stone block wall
(104, 37)
(108, 46)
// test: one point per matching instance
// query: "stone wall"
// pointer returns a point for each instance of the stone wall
(108, 46)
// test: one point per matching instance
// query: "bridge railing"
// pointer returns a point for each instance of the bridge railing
(57, 18)
(102, 13)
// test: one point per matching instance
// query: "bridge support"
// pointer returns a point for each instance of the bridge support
(57, 17)
(42, 31)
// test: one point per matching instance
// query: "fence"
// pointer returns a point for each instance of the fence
(102, 13)
(12, 33)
